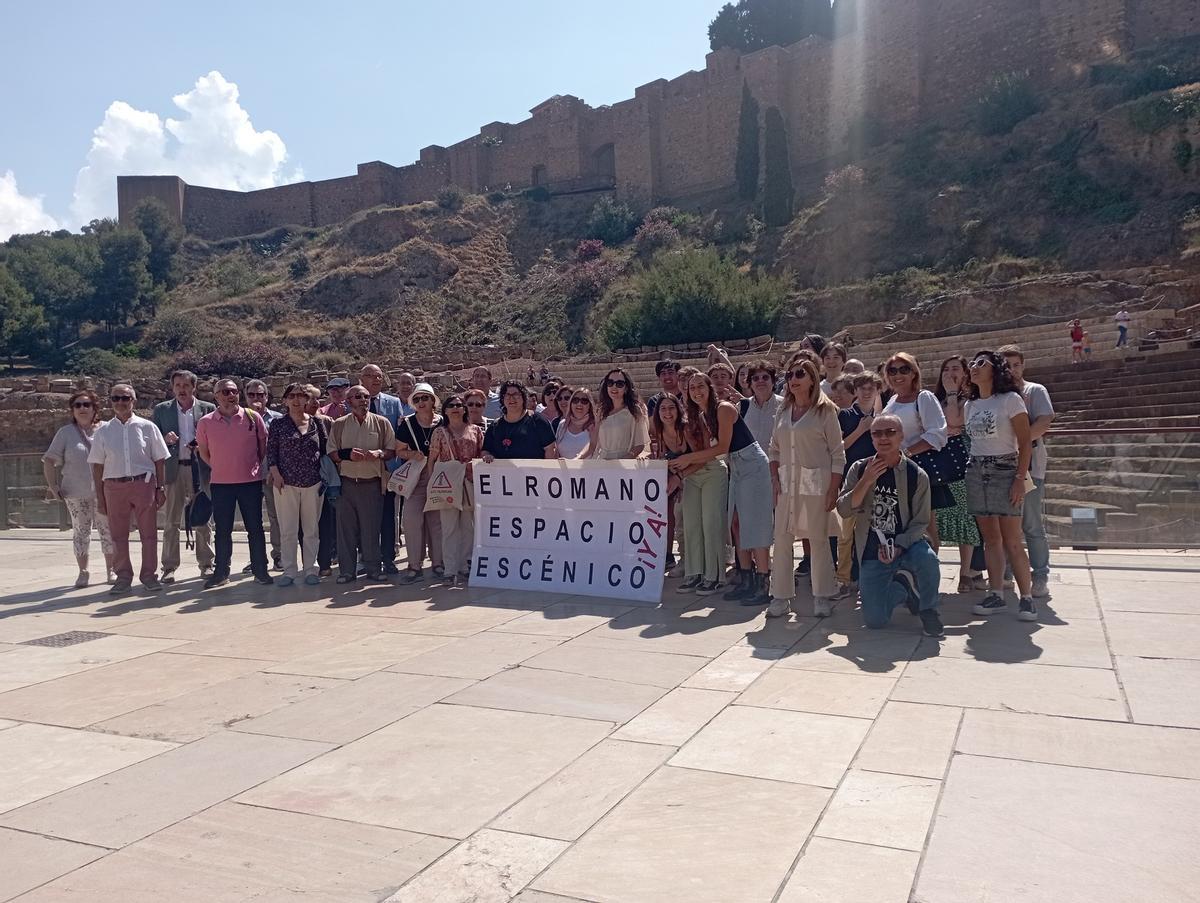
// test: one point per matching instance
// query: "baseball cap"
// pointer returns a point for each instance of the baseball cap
(338, 382)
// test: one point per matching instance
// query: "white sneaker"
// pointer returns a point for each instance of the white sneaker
(843, 592)
(82, 580)
(822, 607)
(778, 608)
(1041, 587)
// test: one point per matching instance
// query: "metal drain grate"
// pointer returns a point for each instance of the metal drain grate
(70, 638)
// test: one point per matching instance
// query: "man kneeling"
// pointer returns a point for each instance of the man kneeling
(889, 497)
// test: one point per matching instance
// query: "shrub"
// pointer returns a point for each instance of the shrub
(610, 221)
(97, 362)
(128, 350)
(299, 267)
(1007, 100)
(847, 180)
(1073, 192)
(1182, 153)
(450, 197)
(236, 356)
(1156, 113)
(172, 330)
(918, 161)
(539, 194)
(692, 296)
(233, 276)
(588, 249)
(495, 198)
(653, 236)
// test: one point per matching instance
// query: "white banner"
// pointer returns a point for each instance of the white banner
(592, 528)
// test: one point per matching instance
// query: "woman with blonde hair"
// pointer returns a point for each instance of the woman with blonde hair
(624, 429)
(457, 439)
(807, 463)
(69, 478)
(578, 430)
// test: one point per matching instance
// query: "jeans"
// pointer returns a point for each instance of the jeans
(1033, 525)
(880, 594)
(1122, 334)
(248, 499)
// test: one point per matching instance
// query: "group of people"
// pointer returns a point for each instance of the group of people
(868, 471)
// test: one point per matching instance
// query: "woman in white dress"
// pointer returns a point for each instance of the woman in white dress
(624, 427)
(577, 430)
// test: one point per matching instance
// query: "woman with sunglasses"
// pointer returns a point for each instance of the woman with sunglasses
(807, 463)
(716, 429)
(69, 478)
(577, 435)
(624, 429)
(924, 424)
(670, 426)
(563, 402)
(414, 437)
(476, 401)
(456, 439)
(549, 408)
(955, 524)
(997, 423)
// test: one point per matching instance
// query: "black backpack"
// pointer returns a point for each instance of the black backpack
(197, 512)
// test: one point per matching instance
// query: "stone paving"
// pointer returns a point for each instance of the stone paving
(427, 744)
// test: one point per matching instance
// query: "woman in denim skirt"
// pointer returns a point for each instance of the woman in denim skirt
(997, 424)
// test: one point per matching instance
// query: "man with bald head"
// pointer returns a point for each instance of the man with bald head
(128, 457)
(888, 495)
(372, 378)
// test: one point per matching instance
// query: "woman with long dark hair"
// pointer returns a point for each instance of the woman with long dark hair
(670, 425)
(69, 478)
(998, 426)
(807, 463)
(955, 524)
(624, 428)
(705, 494)
(749, 483)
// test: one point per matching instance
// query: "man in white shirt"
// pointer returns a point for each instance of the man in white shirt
(128, 467)
(176, 419)
(1041, 415)
(1122, 319)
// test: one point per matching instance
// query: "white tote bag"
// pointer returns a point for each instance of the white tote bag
(404, 478)
(445, 490)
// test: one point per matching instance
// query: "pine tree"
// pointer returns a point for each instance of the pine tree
(747, 164)
(778, 193)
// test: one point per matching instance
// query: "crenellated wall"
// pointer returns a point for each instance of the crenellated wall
(904, 62)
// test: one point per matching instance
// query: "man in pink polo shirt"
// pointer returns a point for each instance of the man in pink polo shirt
(232, 440)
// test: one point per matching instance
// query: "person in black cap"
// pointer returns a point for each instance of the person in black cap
(337, 406)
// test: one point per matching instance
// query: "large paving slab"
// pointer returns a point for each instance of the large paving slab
(447, 770)
(1051, 839)
(476, 657)
(284, 639)
(31, 860)
(655, 669)
(834, 871)
(1162, 691)
(138, 800)
(688, 835)
(824, 692)
(33, 664)
(557, 693)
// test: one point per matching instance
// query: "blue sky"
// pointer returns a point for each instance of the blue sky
(336, 85)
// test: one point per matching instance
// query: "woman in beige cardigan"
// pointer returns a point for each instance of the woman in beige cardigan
(807, 461)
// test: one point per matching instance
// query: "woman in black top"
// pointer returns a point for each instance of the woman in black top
(413, 436)
(518, 434)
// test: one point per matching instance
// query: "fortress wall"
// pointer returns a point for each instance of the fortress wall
(697, 141)
(132, 190)
(335, 199)
(1078, 33)
(216, 213)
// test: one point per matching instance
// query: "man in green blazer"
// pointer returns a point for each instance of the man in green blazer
(176, 419)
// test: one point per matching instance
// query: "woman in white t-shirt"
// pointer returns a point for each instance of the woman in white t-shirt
(997, 423)
(624, 427)
(576, 435)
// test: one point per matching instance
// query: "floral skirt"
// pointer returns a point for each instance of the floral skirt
(955, 525)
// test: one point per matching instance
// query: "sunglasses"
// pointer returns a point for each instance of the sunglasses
(580, 401)
(618, 383)
(975, 365)
(453, 404)
(761, 378)
(474, 404)
(421, 399)
(85, 404)
(796, 374)
(886, 431)
(227, 391)
(357, 397)
(898, 370)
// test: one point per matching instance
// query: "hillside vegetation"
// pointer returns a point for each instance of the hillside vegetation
(1103, 178)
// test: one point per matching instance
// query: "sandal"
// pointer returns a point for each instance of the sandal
(408, 575)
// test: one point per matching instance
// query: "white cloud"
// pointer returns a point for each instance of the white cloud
(215, 145)
(20, 213)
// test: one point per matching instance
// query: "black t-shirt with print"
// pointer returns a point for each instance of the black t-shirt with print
(527, 438)
(885, 514)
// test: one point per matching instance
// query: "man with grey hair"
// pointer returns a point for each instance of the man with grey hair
(888, 496)
(405, 383)
(128, 458)
(176, 419)
(258, 397)
(390, 407)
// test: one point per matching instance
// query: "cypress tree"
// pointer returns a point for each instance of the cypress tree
(778, 194)
(747, 163)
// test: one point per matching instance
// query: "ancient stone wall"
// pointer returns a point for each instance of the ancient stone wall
(904, 62)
